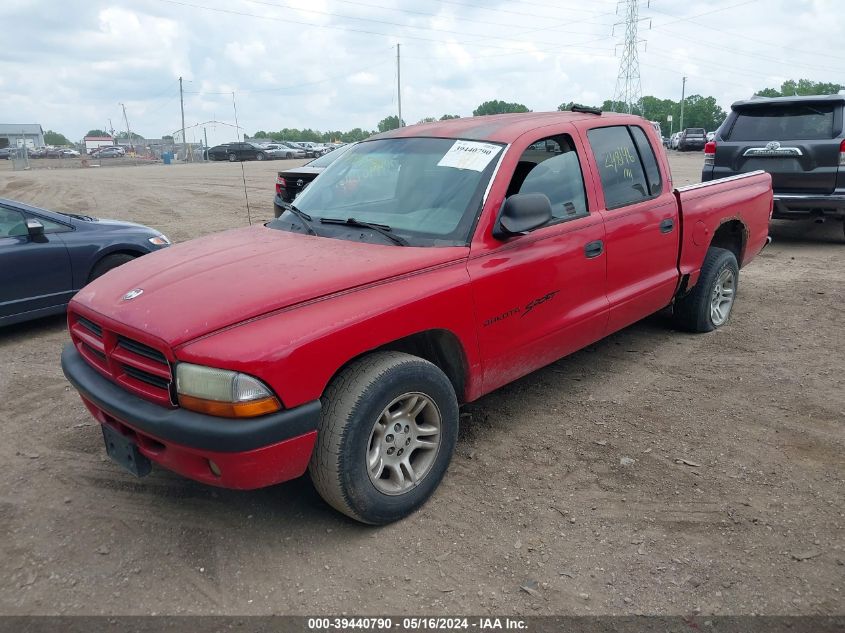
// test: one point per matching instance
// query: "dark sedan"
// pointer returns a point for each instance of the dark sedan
(46, 257)
(291, 182)
(234, 152)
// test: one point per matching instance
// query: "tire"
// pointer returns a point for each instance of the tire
(718, 283)
(108, 263)
(260, 156)
(288, 155)
(233, 158)
(352, 434)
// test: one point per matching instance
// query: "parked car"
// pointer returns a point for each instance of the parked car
(295, 151)
(798, 140)
(108, 152)
(673, 140)
(290, 182)
(692, 138)
(47, 256)
(7, 152)
(234, 152)
(415, 274)
(68, 153)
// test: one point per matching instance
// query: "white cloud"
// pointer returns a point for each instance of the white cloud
(330, 64)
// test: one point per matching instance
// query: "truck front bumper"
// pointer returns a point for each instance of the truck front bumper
(241, 454)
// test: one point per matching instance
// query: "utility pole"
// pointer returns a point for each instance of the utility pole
(205, 137)
(683, 92)
(182, 105)
(399, 85)
(128, 129)
(629, 93)
(111, 130)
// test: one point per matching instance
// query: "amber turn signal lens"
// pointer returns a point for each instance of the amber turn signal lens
(249, 409)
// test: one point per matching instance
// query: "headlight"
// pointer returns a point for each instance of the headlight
(159, 240)
(223, 393)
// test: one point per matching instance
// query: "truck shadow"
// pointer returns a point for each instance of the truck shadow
(20, 332)
(807, 232)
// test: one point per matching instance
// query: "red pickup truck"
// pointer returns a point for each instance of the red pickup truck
(423, 269)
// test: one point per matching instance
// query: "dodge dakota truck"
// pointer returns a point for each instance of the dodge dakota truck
(424, 268)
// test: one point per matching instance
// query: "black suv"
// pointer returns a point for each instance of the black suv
(692, 138)
(798, 140)
(234, 152)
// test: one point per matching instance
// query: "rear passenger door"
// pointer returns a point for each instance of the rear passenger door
(541, 295)
(641, 224)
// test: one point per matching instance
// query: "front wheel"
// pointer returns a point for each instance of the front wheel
(233, 158)
(260, 156)
(109, 262)
(708, 305)
(388, 430)
(288, 155)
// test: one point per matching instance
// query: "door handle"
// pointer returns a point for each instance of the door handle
(667, 225)
(594, 249)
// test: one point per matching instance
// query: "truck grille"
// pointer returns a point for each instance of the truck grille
(137, 367)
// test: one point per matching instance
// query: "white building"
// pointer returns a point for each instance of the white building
(93, 142)
(21, 135)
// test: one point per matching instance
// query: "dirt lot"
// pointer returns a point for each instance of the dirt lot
(752, 522)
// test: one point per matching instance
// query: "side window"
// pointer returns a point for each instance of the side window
(53, 227)
(12, 223)
(652, 172)
(621, 171)
(550, 166)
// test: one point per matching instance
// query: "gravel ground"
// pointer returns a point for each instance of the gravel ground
(731, 501)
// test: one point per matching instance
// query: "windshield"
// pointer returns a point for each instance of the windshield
(327, 159)
(427, 190)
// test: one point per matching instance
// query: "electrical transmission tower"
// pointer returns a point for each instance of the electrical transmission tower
(628, 94)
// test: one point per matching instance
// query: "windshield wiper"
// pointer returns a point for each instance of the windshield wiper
(303, 218)
(383, 229)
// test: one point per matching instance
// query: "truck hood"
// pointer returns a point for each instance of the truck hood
(209, 283)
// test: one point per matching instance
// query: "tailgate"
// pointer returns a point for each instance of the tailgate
(796, 143)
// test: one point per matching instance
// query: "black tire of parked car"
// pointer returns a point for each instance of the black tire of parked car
(260, 156)
(288, 155)
(108, 263)
(233, 158)
(692, 313)
(352, 404)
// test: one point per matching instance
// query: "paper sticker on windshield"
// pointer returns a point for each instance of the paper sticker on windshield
(469, 155)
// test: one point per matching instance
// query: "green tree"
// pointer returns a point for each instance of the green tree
(97, 133)
(446, 117)
(167, 137)
(125, 135)
(563, 107)
(498, 107)
(260, 134)
(802, 87)
(428, 119)
(389, 123)
(54, 138)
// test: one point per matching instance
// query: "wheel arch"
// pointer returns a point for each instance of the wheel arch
(732, 235)
(440, 347)
(121, 249)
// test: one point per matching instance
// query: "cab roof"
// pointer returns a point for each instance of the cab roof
(501, 128)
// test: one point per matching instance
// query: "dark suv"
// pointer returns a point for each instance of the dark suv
(692, 138)
(798, 140)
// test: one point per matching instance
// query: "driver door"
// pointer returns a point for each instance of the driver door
(35, 272)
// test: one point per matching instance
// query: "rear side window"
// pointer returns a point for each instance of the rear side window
(652, 172)
(12, 223)
(805, 121)
(622, 175)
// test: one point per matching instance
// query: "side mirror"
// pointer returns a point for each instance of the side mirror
(34, 227)
(521, 213)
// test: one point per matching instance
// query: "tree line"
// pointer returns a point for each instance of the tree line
(699, 111)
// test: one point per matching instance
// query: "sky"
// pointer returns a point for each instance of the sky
(331, 64)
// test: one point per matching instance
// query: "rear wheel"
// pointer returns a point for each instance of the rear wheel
(288, 155)
(388, 430)
(108, 263)
(708, 305)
